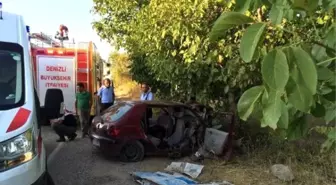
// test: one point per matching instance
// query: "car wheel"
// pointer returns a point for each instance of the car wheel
(132, 152)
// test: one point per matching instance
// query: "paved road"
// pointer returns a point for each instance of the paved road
(75, 163)
(49, 138)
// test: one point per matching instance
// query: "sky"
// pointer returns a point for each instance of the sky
(46, 16)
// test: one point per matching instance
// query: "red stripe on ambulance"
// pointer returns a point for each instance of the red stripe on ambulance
(19, 120)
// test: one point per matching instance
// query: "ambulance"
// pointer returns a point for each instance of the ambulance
(22, 153)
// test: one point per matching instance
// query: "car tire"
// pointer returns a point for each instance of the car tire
(133, 151)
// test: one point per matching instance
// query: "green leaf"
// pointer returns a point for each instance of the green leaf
(272, 110)
(289, 56)
(297, 129)
(332, 82)
(330, 115)
(226, 21)
(308, 5)
(267, 2)
(248, 101)
(318, 111)
(242, 5)
(289, 14)
(330, 110)
(332, 134)
(327, 145)
(300, 96)
(328, 4)
(330, 96)
(276, 14)
(284, 118)
(274, 70)
(324, 90)
(319, 54)
(330, 40)
(256, 4)
(306, 68)
(324, 73)
(250, 41)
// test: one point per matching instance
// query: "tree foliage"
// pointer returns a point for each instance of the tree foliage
(120, 68)
(278, 55)
(298, 76)
(170, 49)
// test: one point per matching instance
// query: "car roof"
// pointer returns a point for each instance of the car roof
(157, 103)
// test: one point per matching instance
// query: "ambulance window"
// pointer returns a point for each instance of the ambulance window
(11, 76)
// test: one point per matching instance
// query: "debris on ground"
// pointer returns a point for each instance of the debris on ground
(214, 142)
(160, 178)
(192, 170)
(177, 174)
(282, 172)
(218, 183)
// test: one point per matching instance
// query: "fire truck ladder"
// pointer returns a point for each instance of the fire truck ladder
(45, 39)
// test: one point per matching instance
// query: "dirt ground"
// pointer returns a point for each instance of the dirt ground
(240, 172)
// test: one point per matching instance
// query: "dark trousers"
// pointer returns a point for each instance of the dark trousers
(104, 106)
(91, 119)
(63, 130)
(84, 119)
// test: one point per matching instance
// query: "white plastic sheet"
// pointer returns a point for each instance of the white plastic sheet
(192, 170)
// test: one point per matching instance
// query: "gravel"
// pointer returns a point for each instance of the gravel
(76, 163)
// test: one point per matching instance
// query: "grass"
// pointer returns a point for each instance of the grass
(308, 165)
(253, 168)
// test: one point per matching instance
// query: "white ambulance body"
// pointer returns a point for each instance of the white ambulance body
(22, 153)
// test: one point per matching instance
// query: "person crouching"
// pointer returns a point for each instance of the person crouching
(65, 126)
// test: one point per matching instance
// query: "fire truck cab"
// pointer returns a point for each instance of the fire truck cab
(63, 65)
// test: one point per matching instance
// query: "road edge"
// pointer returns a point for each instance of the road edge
(54, 153)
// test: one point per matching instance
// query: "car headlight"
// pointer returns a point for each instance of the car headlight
(17, 150)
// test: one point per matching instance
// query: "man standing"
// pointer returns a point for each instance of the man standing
(146, 94)
(83, 105)
(106, 95)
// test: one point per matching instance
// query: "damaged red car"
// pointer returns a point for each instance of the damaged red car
(134, 129)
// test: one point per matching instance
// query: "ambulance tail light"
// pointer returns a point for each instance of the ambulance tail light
(60, 52)
(49, 51)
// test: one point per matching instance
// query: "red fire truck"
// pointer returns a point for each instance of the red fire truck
(63, 65)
